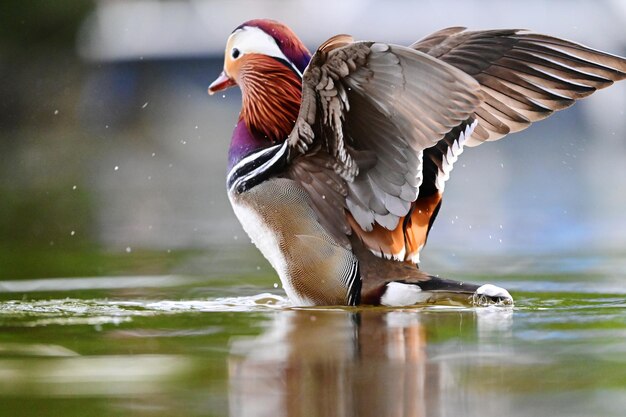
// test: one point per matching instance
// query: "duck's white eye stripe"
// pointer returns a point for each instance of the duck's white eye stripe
(252, 40)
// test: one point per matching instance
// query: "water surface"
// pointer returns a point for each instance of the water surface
(175, 345)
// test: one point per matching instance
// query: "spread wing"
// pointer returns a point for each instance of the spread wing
(524, 76)
(371, 109)
(380, 125)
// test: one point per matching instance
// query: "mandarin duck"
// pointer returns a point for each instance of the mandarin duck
(339, 160)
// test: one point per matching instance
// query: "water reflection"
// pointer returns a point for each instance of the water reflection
(341, 363)
(556, 353)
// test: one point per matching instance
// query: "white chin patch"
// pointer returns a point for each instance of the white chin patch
(398, 294)
(491, 294)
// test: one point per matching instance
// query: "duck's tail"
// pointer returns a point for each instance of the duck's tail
(434, 290)
(392, 283)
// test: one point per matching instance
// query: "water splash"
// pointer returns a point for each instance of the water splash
(102, 311)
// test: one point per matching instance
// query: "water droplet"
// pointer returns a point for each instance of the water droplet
(72, 233)
(116, 168)
(223, 95)
(73, 187)
(128, 249)
(153, 154)
(276, 285)
(501, 165)
(144, 105)
(56, 112)
(196, 127)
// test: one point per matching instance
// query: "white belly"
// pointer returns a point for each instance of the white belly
(266, 240)
(281, 223)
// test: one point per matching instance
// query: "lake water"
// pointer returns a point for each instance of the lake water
(179, 345)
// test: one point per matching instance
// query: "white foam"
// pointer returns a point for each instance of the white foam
(491, 290)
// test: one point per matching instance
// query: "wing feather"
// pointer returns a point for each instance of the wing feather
(524, 76)
(380, 126)
(388, 100)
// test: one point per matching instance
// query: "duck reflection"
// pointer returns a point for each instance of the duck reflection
(334, 363)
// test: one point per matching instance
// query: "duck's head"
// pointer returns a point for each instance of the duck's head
(266, 60)
(256, 44)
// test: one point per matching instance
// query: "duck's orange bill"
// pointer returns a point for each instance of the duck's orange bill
(221, 83)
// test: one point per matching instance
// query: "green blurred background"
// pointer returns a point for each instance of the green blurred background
(112, 155)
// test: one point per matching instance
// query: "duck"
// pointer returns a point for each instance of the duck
(339, 159)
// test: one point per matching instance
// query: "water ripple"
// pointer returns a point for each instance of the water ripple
(102, 311)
